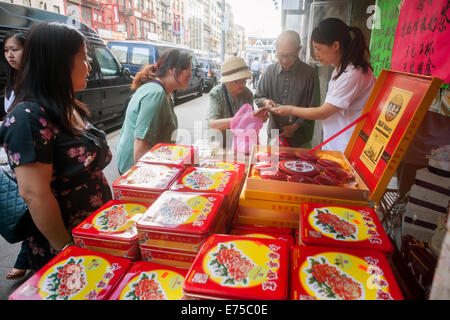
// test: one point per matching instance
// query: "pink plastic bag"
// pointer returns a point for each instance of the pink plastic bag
(246, 128)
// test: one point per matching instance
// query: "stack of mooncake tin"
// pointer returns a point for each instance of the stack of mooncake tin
(212, 181)
(112, 229)
(330, 273)
(173, 229)
(171, 154)
(75, 274)
(343, 227)
(144, 182)
(237, 267)
(150, 281)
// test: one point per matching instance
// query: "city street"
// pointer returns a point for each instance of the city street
(191, 112)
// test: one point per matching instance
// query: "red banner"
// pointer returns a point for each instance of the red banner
(421, 43)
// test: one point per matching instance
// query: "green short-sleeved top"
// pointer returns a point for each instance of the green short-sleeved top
(218, 106)
(150, 117)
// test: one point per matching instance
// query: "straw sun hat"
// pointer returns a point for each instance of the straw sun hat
(234, 68)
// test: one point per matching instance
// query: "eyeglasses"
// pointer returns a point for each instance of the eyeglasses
(286, 56)
(240, 81)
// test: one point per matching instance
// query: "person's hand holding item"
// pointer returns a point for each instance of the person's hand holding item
(288, 131)
(284, 110)
(262, 114)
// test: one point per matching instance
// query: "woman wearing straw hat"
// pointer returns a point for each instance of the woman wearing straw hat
(226, 98)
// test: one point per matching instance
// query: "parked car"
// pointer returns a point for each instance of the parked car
(108, 85)
(212, 70)
(136, 54)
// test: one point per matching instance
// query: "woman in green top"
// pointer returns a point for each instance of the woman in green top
(150, 118)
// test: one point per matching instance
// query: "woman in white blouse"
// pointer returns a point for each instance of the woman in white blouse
(334, 43)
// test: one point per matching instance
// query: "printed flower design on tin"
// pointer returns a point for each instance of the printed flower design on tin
(174, 212)
(330, 223)
(113, 219)
(199, 180)
(231, 265)
(329, 282)
(67, 281)
(146, 288)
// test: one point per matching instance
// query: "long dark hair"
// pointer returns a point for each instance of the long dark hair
(354, 49)
(45, 72)
(11, 73)
(172, 58)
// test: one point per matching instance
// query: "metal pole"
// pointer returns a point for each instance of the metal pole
(222, 54)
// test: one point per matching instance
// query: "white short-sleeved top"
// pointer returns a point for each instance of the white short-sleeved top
(349, 93)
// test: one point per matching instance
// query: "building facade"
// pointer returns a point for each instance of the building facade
(193, 23)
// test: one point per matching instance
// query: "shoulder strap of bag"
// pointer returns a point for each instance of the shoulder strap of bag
(227, 98)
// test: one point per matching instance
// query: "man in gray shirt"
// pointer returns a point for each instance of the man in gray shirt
(289, 82)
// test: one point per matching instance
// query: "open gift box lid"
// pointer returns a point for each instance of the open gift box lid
(396, 107)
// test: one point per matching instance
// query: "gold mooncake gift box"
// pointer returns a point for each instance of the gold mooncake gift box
(181, 220)
(163, 153)
(326, 273)
(112, 229)
(343, 226)
(394, 110)
(150, 281)
(75, 274)
(145, 182)
(237, 267)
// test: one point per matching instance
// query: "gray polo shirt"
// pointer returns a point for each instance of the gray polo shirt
(299, 87)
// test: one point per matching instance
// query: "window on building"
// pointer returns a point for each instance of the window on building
(120, 52)
(108, 65)
(56, 9)
(140, 56)
(138, 27)
(152, 28)
(26, 3)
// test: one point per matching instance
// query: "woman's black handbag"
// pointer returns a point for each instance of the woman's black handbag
(15, 219)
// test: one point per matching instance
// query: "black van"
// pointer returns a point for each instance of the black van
(136, 54)
(109, 82)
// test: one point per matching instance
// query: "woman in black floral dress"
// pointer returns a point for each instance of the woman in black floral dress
(58, 157)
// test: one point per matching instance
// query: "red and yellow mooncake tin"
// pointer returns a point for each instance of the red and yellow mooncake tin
(328, 273)
(74, 274)
(150, 281)
(342, 226)
(145, 182)
(171, 154)
(236, 267)
(180, 220)
(112, 229)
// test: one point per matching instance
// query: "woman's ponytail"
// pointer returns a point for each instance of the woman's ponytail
(351, 41)
(147, 73)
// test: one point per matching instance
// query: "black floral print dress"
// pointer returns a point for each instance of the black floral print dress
(78, 182)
